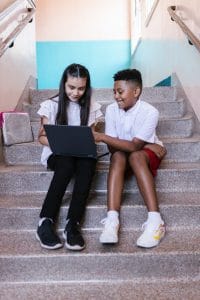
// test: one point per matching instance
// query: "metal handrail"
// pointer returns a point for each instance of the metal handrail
(150, 14)
(9, 9)
(193, 40)
(32, 2)
(9, 40)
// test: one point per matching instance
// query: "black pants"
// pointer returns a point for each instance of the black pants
(65, 168)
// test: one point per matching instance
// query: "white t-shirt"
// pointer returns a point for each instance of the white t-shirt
(49, 109)
(140, 121)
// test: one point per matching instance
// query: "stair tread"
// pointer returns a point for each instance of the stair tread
(136, 281)
(105, 101)
(138, 289)
(100, 271)
(187, 116)
(24, 243)
(34, 200)
(181, 289)
(178, 150)
(161, 92)
(168, 140)
(102, 166)
(156, 101)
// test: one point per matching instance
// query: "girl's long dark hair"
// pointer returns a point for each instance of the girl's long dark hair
(79, 71)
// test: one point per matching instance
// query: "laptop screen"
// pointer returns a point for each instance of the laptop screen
(70, 140)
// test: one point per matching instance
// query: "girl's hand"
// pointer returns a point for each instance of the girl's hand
(42, 138)
(160, 151)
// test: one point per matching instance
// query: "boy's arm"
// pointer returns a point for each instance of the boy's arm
(115, 144)
(146, 131)
(159, 150)
(110, 136)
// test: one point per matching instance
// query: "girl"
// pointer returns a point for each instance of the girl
(74, 107)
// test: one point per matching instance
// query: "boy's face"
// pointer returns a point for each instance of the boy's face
(126, 93)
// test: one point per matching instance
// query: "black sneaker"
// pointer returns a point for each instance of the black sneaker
(47, 237)
(73, 237)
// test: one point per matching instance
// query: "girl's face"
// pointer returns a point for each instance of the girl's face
(126, 94)
(75, 87)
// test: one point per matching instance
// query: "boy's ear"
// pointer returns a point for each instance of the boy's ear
(137, 91)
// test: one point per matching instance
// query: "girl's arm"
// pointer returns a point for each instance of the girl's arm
(42, 138)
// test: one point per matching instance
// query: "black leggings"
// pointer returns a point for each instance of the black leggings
(65, 168)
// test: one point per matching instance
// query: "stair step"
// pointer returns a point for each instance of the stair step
(168, 109)
(24, 243)
(178, 150)
(115, 272)
(24, 210)
(132, 216)
(149, 94)
(101, 266)
(144, 289)
(171, 177)
(35, 199)
(30, 153)
(176, 127)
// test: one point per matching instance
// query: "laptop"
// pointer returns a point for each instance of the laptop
(70, 140)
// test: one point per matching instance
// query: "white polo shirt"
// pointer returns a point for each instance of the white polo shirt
(49, 109)
(140, 121)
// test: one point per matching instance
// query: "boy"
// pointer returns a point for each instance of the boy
(131, 138)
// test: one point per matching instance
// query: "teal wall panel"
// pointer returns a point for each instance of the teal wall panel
(102, 58)
(157, 59)
(165, 82)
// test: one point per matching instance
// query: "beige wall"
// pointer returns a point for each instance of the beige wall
(164, 49)
(17, 65)
(160, 25)
(82, 20)
(95, 33)
(5, 3)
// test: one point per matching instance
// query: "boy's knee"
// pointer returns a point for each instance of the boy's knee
(137, 157)
(118, 158)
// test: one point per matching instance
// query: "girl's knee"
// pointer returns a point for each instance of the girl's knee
(86, 164)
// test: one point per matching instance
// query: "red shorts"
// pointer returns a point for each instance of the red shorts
(154, 161)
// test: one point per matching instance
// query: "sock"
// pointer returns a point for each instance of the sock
(154, 217)
(42, 219)
(113, 215)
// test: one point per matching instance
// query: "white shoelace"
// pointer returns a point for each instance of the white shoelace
(151, 227)
(109, 222)
(103, 221)
(144, 225)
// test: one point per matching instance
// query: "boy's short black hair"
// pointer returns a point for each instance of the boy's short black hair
(131, 75)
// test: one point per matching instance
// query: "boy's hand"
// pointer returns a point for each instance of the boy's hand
(160, 151)
(97, 136)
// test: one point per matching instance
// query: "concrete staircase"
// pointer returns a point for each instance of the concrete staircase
(170, 271)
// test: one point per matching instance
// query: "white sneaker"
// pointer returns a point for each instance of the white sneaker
(152, 235)
(110, 232)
